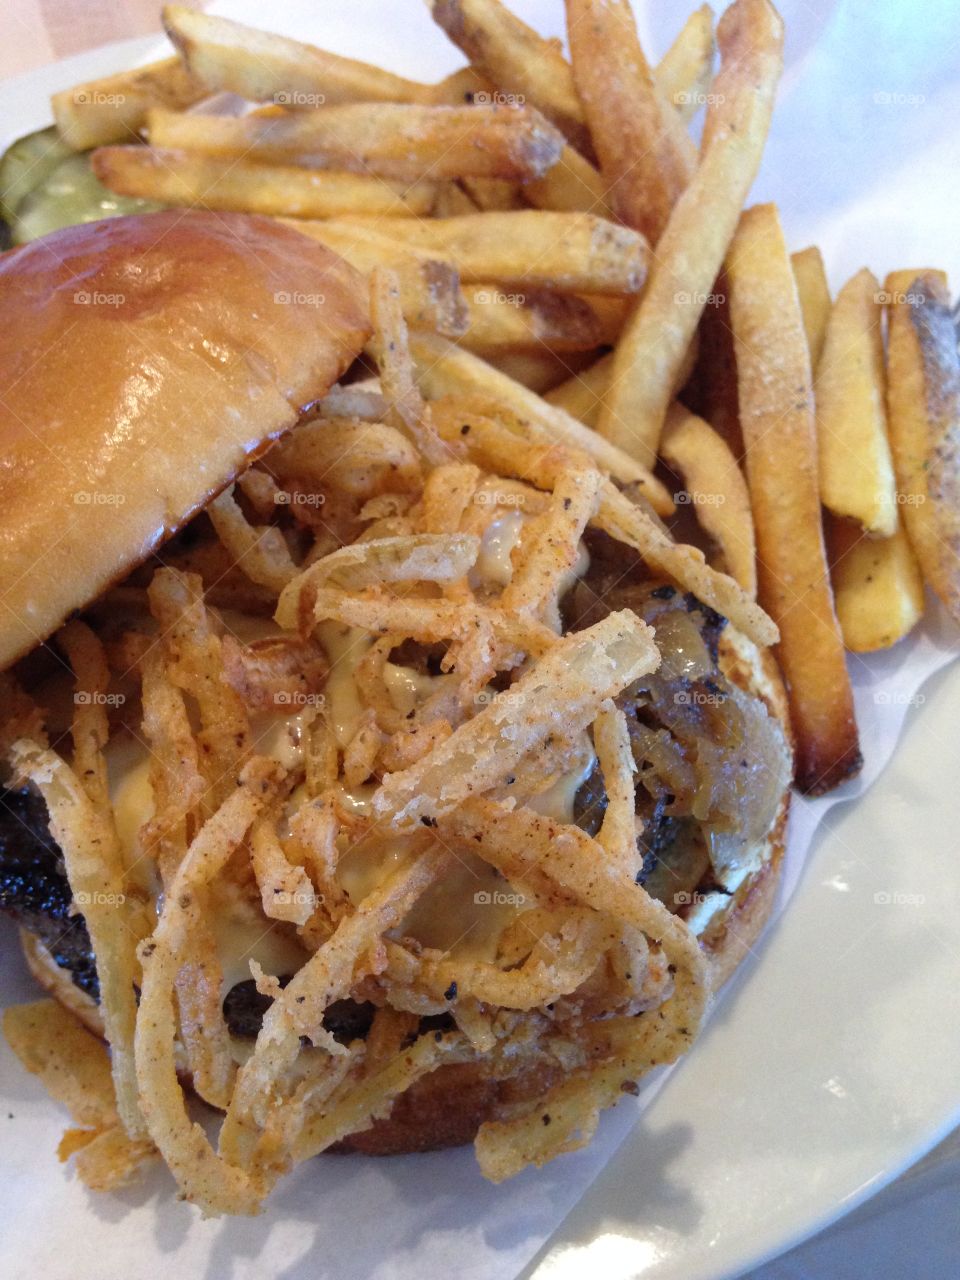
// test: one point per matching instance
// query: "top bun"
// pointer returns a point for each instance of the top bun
(145, 361)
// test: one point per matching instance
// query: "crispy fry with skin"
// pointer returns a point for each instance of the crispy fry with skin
(644, 152)
(691, 250)
(923, 398)
(569, 251)
(877, 584)
(228, 57)
(684, 73)
(856, 470)
(814, 293)
(114, 109)
(391, 140)
(717, 488)
(244, 186)
(776, 412)
(512, 56)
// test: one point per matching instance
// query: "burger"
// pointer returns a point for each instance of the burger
(273, 634)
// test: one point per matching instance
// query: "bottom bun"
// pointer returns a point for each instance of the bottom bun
(447, 1107)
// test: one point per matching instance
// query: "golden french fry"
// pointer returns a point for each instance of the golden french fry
(217, 182)
(776, 414)
(228, 57)
(389, 139)
(512, 56)
(529, 320)
(582, 395)
(856, 470)
(571, 251)
(814, 292)
(877, 583)
(114, 108)
(691, 249)
(643, 148)
(685, 70)
(716, 489)
(537, 370)
(573, 185)
(923, 400)
(494, 195)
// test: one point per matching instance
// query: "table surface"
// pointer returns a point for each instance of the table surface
(910, 1228)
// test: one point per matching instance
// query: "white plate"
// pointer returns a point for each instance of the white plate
(832, 1064)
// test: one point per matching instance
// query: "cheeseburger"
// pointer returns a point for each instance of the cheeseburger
(376, 769)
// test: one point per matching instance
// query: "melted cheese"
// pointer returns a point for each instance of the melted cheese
(494, 564)
(346, 647)
(556, 801)
(407, 688)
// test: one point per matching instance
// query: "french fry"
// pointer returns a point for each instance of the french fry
(523, 65)
(691, 250)
(684, 73)
(512, 56)
(429, 290)
(444, 369)
(389, 140)
(573, 251)
(533, 319)
(114, 109)
(776, 412)
(856, 470)
(814, 292)
(878, 586)
(228, 57)
(216, 182)
(923, 399)
(494, 195)
(582, 395)
(539, 371)
(573, 185)
(717, 490)
(644, 151)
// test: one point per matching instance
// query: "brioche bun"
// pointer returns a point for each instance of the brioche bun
(147, 360)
